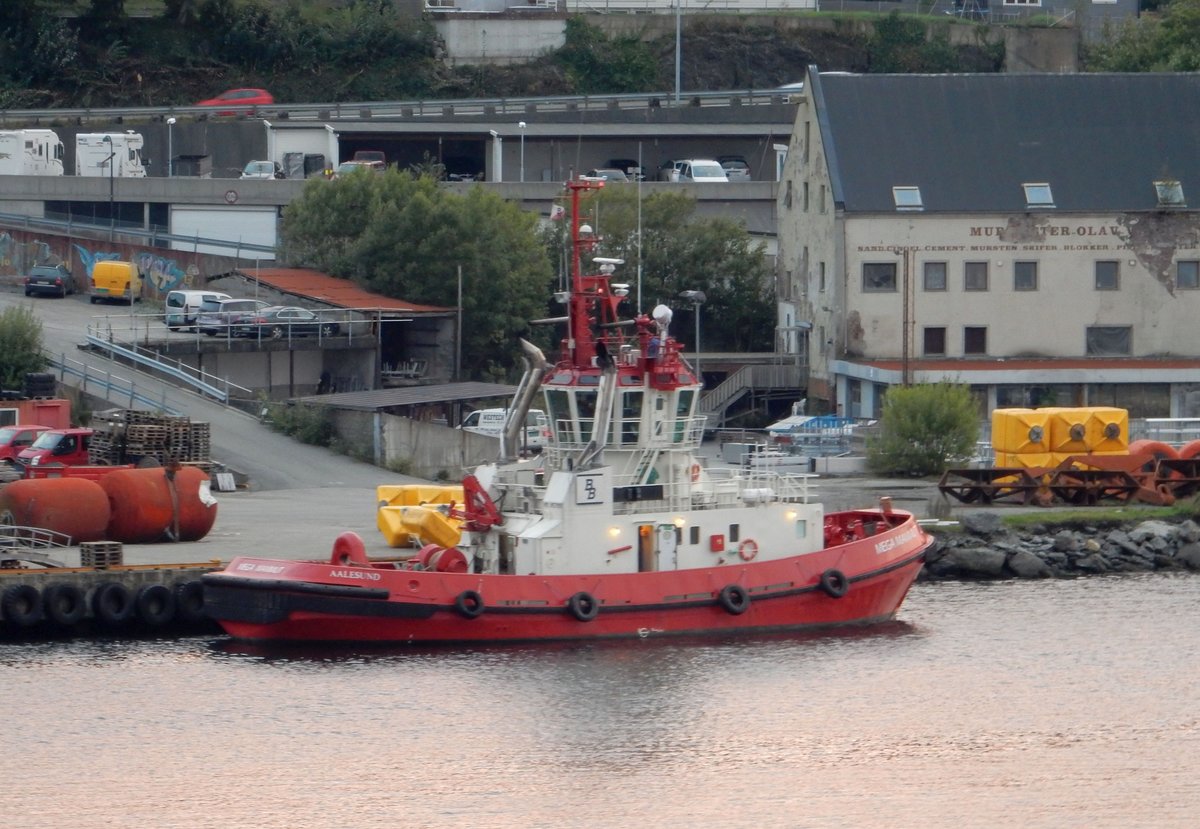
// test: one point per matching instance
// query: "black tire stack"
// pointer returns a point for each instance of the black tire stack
(40, 384)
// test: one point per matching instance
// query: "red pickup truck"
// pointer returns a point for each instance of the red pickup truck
(68, 447)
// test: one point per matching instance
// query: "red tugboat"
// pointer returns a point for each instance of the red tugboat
(618, 530)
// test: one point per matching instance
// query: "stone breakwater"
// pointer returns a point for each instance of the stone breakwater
(986, 549)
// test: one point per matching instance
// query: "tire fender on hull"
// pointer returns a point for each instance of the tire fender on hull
(469, 604)
(834, 583)
(583, 606)
(734, 598)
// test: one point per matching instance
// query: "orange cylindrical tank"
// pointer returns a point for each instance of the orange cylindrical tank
(73, 506)
(1190, 450)
(144, 510)
(1156, 448)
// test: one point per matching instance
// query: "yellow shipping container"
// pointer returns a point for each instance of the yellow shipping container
(1019, 431)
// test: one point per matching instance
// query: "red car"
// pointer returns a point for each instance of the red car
(68, 447)
(239, 100)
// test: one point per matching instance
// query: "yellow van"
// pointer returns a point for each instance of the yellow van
(115, 281)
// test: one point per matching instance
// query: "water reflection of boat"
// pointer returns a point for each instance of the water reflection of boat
(617, 530)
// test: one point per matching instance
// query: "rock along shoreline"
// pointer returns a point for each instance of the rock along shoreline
(986, 549)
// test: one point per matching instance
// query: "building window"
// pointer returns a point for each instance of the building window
(806, 197)
(1108, 275)
(879, 277)
(1187, 275)
(787, 195)
(907, 198)
(935, 341)
(822, 198)
(1038, 195)
(1025, 276)
(1109, 340)
(821, 278)
(975, 339)
(935, 276)
(975, 276)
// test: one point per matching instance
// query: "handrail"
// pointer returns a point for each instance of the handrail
(109, 384)
(133, 355)
(442, 108)
(154, 237)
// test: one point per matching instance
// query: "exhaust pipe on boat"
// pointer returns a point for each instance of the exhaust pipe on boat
(531, 381)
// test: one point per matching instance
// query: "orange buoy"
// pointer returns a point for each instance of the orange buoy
(1190, 450)
(149, 505)
(72, 506)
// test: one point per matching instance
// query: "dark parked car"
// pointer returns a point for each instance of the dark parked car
(216, 316)
(52, 280)
(735, 167)
(628, 166)
(281, 322)
(608, 174)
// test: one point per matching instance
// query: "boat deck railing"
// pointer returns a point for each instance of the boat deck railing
(719, 488)
(572, 435)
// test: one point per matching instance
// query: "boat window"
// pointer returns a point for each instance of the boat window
(631, 416)
(585, 402)
(735, 533)
(562, 378)
(693, 534)
(589, 379)
(631, 380)
(559, 404)
(683, 411)
(802, 528)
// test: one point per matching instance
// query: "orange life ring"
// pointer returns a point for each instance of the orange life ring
(695, 472)
(748, 549)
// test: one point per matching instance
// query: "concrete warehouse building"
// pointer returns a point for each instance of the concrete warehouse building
(1028, 235)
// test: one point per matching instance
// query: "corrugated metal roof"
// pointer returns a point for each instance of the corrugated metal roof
(331, 290)
(970, 141)
(411, 396)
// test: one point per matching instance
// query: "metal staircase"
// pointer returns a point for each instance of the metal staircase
(747, 379)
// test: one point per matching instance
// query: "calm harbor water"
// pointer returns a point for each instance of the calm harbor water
(1016, 704)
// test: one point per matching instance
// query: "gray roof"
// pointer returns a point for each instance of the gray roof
(410, 396)
(970, 141)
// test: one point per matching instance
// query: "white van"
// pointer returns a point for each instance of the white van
(182, 307)
(491, 422)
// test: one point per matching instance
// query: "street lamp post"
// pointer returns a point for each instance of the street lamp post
(521, 124)
(697, 299)
(170, 148)
(112, 154)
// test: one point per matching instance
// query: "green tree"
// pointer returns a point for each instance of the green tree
(20, 345)
(680, 251)
(595, 62)
(406, 237)
(923, 429)
(1166, 43)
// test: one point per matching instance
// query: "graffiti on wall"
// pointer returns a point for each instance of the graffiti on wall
(163, 273)
(19, 257)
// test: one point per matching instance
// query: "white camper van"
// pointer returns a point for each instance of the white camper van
(30, 153)
(96, 151)
(491, 422)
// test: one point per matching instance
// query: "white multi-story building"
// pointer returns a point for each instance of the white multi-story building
(1028, 235)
